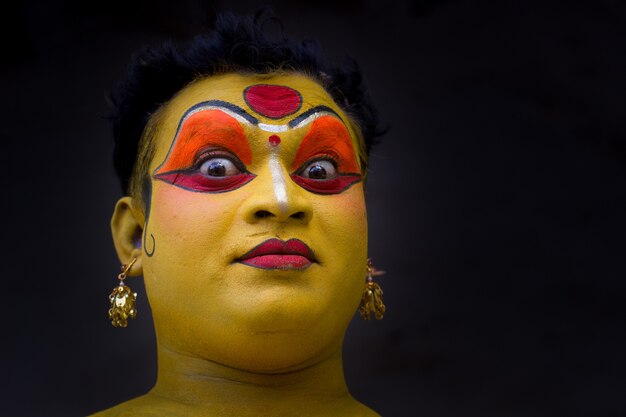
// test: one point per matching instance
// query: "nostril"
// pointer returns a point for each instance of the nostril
(261, 214)
(299, 215)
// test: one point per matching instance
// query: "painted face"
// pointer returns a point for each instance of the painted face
(256, 233)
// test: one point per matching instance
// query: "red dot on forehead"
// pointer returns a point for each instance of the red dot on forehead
(272, 101)
(274, 140)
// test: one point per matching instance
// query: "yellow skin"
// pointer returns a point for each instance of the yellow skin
(235, 340)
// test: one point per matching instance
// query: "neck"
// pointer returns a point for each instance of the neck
(194, 381)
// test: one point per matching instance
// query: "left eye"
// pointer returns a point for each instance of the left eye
(320, 170)
(219, 167)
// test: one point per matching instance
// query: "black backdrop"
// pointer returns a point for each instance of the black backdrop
(497, 202)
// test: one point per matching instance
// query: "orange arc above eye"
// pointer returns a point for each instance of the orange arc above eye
(204, 129)
(328, 136)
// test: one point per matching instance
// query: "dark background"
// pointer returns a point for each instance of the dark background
(497, 202)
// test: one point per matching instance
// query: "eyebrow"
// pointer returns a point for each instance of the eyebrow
(312, 114)
(228, 108)
(245, 117)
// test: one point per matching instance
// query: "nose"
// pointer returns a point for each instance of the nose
(276, 197)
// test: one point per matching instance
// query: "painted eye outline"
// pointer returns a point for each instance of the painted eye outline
(335, 185)
(193, 179)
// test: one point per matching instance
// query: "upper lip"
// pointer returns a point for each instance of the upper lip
(280, 247)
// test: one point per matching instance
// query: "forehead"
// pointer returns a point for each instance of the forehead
(251, 92)
(297, 92)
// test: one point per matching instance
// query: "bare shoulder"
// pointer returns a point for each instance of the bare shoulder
(347, 407)
(144, 406)
(154, 406)
(364, 411)
(128, 408)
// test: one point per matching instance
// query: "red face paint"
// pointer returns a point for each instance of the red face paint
(333, 186)
(195, 181)
(274, 140)
(272, 101)
(202, 131)
(329, 140)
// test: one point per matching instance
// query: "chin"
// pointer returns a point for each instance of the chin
(283, 351)
(274, 335)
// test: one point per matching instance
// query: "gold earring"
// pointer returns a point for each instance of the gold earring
(372, 299)
(122, 300)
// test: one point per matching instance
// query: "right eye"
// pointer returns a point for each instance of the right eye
(215, 171)
(219, 167)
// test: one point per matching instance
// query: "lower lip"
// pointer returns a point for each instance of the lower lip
(284, 262)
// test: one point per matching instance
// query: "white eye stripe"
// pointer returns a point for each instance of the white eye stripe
(283, 128)
(225, 110)
(266, 127)
(311, 118)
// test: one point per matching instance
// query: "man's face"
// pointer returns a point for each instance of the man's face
(256, 231)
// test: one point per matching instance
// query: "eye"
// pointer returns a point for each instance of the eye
(215, 171)
(320, 170)
(219, 167)
(322, 176)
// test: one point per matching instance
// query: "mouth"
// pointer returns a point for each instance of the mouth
(292, 254)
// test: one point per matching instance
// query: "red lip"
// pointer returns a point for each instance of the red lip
(278, 254)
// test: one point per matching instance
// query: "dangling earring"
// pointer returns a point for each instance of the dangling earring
(372, 300)
(122, 300)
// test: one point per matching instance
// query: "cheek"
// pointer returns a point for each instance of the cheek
(342, 225)
(185, 222)
(173, 209)
(344, 214)
(189, 230)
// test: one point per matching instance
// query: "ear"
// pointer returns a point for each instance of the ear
(127, 227)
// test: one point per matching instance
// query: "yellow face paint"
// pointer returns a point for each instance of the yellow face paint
(259, 224)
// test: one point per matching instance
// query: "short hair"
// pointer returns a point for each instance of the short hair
(237, 45)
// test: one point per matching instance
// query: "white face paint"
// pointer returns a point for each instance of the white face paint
(283, 128)
(312, 117)
(278, 177)
(273, 128)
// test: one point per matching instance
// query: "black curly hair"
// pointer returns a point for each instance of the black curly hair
(237, 45)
